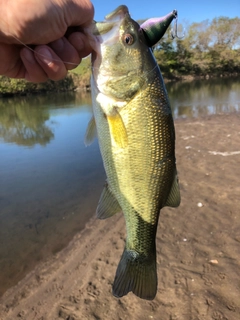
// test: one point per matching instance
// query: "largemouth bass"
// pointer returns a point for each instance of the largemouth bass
(136, 136)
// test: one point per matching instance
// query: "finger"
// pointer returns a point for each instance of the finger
(66, 52)
(81, 43)
(10, 62)
(80, 12)
(50, 62)
(33, 71)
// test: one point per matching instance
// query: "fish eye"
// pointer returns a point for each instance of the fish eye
(128, 39)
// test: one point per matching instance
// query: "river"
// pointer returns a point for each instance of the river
(50, 182)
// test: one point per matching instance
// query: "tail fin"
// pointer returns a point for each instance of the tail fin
(136, 273)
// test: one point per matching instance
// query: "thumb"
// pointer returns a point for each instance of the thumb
(79, 12)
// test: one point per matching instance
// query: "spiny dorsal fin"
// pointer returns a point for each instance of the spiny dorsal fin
(118, 130)
(91, 132)
(107, 205)
(174, 197)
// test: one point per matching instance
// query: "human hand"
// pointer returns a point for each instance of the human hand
(52, 28)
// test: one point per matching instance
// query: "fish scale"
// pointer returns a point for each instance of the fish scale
(137, 143)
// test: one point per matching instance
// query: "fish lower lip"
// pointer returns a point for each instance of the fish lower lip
(117, 14)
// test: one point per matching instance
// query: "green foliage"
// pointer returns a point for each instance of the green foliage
(209, 48)
(83, 72)
(10, 86)
(84, 67)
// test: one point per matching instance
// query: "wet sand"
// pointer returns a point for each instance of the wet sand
(198, 246)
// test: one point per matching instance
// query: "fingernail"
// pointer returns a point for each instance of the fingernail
(46, 57)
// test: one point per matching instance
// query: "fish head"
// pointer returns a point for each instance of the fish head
(121, 55)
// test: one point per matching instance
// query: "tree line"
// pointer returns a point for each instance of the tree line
(210, 48)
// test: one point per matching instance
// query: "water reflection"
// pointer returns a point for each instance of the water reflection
(24, 126)
(204, 97)
(50, 182)
(23, 120)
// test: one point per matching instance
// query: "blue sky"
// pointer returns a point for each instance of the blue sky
(188, 11)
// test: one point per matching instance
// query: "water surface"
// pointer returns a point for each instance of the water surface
(50, 182)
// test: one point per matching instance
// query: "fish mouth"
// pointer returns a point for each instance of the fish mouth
(107, 31)
(117, 14)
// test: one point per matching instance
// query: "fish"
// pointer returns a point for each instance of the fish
(133, 121)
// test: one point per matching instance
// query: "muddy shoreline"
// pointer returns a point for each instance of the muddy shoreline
(198, 246)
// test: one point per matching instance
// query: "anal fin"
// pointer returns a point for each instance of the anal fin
(174, 197)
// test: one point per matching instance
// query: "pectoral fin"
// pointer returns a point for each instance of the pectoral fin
(91, 132)
(118, 130)
(108, 204)
(174, 197)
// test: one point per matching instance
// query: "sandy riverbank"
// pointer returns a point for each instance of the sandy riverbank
(198, 246)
